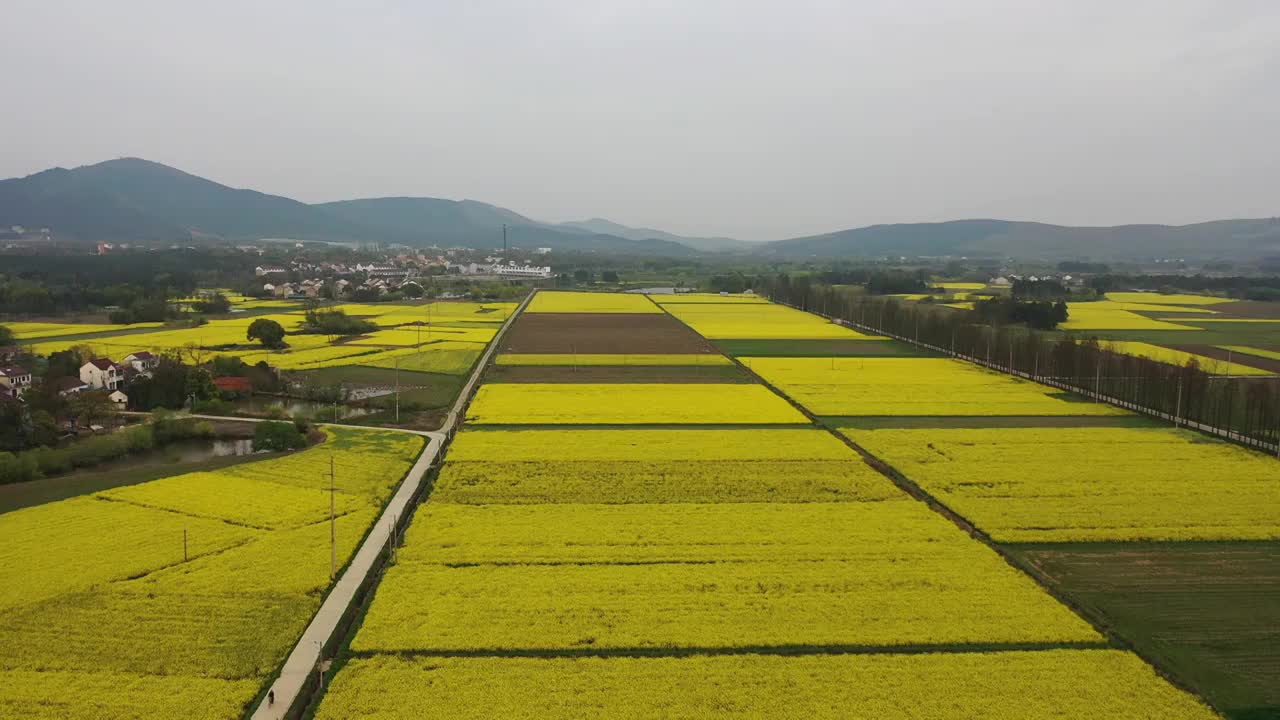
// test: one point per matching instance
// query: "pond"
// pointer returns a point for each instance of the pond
(293, 406)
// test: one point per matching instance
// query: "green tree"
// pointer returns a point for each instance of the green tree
(278, 436)
(269, 332)
(6, 335)
(218, 303)
(200, 384)
(66, 363)
(92, 407)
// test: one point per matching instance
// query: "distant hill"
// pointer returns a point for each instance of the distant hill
(134, 199)
(1001, 238)
(130, 199)
(467, 223)
(705, 244)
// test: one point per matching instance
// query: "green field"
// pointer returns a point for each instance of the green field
(1209, 613)
(430, 390)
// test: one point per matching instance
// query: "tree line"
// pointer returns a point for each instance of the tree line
(1246, 407)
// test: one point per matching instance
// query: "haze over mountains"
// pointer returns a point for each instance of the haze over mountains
(131, 199)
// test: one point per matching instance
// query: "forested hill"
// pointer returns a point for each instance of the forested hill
(1003, 238)
(137, 200)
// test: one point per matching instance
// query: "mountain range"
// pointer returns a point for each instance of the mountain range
(131, 199)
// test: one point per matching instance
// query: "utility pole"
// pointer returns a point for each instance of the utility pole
(333, 533)
(184, 544)
(397, 389)
(1177, 408)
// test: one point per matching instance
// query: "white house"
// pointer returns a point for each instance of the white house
(119, 399)
(14, 380)
(101, 374)
(142, 361)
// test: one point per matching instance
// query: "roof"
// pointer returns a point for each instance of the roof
(102, 363)
(12, 370)
(142, 355)
(233, 383)
(68, 383)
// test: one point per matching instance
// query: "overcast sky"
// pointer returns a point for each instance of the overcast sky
(759, 120)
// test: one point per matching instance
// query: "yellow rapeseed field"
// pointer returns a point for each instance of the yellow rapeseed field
(388, 314)
(649, 445)
(660, 481)
(898, 527)
(614, 359)
(1042, 685)
(1163, 299)
(951, 596)
(74, 545)
(448, 357)
(1256, 352)
(1181, 358)
(253, 502)
(1089, 484)
(456, 322)
(875, 386)
(748, 321)
(628, 404)
(959, 285)
(30, 330)
(681, 298)
(100, 589)
(51, 695)
(555, 301)
(1103, 315)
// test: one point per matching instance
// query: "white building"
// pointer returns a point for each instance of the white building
(101, 374)
(119, 399)
(142, 361)
(14, 380)
(523, 271)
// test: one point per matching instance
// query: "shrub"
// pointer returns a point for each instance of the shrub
(278, 436)
(17, 468)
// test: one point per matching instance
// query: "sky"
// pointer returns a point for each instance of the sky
(758, 120)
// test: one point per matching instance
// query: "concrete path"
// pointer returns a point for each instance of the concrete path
(305, 657)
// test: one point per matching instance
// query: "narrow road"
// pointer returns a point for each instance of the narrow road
(305, 657)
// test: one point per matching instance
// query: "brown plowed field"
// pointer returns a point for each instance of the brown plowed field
(1249, 309)
(1219, 354)
(668, 374)
(602, 333)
